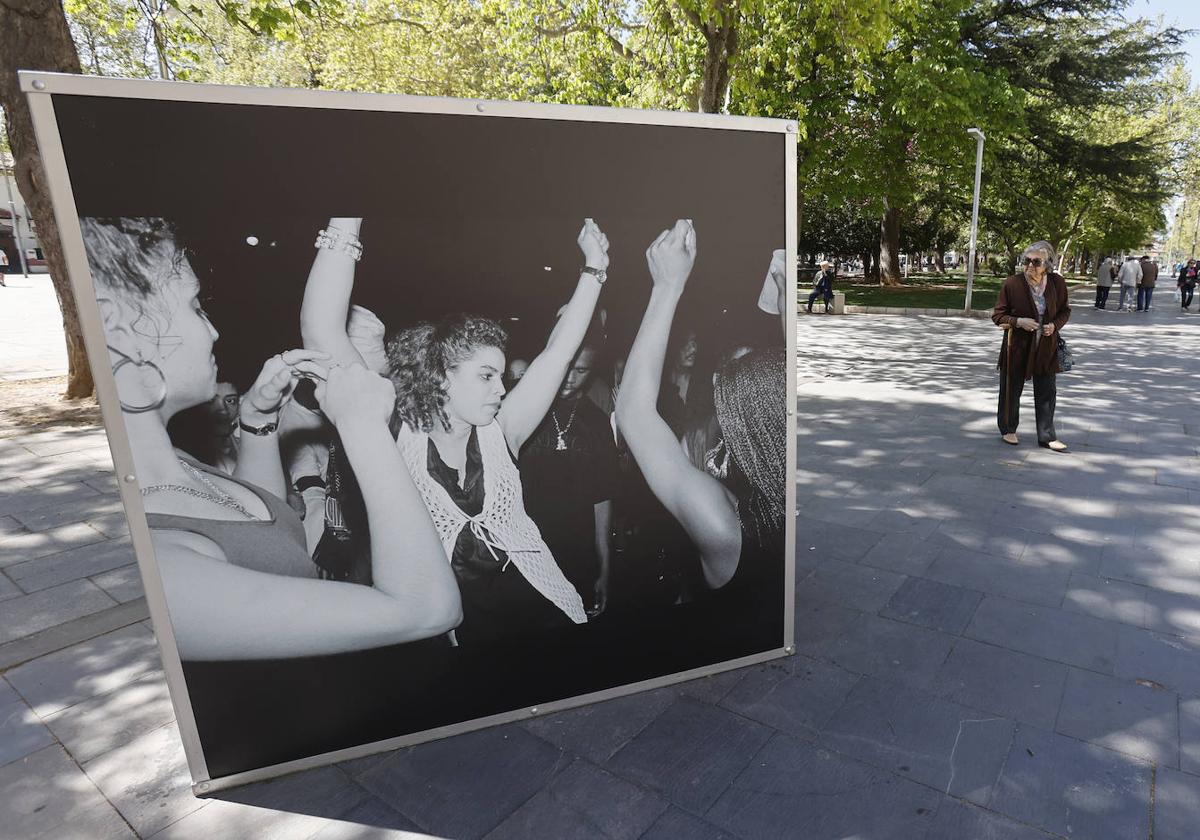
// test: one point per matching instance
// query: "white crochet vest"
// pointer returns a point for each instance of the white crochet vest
(502, 524)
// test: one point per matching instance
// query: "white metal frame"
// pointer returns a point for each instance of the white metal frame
(42, 87)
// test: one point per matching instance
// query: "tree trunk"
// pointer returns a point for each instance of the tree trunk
(34, 36)
(889, 247)
(721, 45)
(939, 261)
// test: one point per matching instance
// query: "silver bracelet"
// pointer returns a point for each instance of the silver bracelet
(333, 239)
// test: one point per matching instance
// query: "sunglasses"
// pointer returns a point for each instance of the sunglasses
(1036, 262)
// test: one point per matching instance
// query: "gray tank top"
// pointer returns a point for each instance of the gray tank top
(275, 545)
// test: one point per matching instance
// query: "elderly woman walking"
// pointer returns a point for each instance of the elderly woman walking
(1032, 308)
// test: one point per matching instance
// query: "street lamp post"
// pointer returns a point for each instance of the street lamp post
(978, 135)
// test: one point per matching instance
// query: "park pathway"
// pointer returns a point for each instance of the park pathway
(992, 641)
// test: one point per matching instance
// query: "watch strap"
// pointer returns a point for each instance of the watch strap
(261, 431)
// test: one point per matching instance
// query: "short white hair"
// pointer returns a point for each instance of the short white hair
(1040, 247)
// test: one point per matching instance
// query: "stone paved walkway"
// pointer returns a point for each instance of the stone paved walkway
(994, 642)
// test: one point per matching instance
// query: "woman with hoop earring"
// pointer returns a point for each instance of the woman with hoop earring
(238, 579)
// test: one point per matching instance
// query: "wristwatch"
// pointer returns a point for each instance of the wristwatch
(262, 431)
(599, 273)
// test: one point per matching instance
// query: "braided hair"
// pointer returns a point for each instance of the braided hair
(750, 399)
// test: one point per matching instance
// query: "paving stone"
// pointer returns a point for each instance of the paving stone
(1172, 661)
(819, 624)
(21, 732)
(831, 541)
(598, 730)
(885, 648)
(1189, 734)
(903, 522)
(1046, 632)
(9, 527)
(1172, 612)
(36, 575)
(297, 805)
(1134, 565)
(1005, 576)
(95, 726)
(711, 688)
(1106, 598)
(147, 780)
(957, 820)
(995, 541)
(794, 789)
(28, 614)
(579, 803)
(1141, 721)
(112, 525)
(1071, 547)
(18, 549)
(45, 795)
(929, 603)
(675, 824)
(850, 585)
(16, 502)
(123, 584)
(372, 820)
(796, 695)
(1176, 805)
(8, 589)
(913, 734)
(906, 553)
(1067, 787)
(94, 667)
(1003, 682)
(466, 785)
(72, 511)
(690, 753)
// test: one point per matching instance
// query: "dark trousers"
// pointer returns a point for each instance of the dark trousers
(1144, 295)
(1188, 290)
(1008, 412)
(1102, 296)
(825, 293)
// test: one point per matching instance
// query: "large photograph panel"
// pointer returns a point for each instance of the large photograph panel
(437, 417)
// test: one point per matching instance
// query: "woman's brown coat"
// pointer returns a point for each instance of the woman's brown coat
(1016, 301)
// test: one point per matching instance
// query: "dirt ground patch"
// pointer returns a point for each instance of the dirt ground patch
(38, 404)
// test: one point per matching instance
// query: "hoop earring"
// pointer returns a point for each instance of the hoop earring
(140, 363)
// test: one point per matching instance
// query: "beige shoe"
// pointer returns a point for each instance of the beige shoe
(1010, 438)
(1054, 446)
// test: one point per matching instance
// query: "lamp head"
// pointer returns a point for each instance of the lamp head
(976, 133)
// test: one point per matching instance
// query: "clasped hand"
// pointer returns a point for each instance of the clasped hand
(277, 380)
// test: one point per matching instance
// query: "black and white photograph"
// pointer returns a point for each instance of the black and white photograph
(436, 417)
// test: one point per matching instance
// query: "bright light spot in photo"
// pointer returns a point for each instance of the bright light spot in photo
(546, 267)
(251, 240)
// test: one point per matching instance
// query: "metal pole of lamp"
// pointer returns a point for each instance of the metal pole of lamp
(978, 135)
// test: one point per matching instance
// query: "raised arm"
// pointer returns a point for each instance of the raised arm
(407, 559)
(694, 498)
(326, 305)
(529, 401)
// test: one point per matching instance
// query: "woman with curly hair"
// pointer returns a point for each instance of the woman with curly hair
(457, 435)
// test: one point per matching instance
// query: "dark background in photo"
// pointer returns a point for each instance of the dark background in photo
(462, 213)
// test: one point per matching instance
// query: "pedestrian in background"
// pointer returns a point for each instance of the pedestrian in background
(1104, 280)
(1187, 284)
(1129, 277)
(1146, 287)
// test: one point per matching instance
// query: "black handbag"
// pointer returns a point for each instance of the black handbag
(1066, 356)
